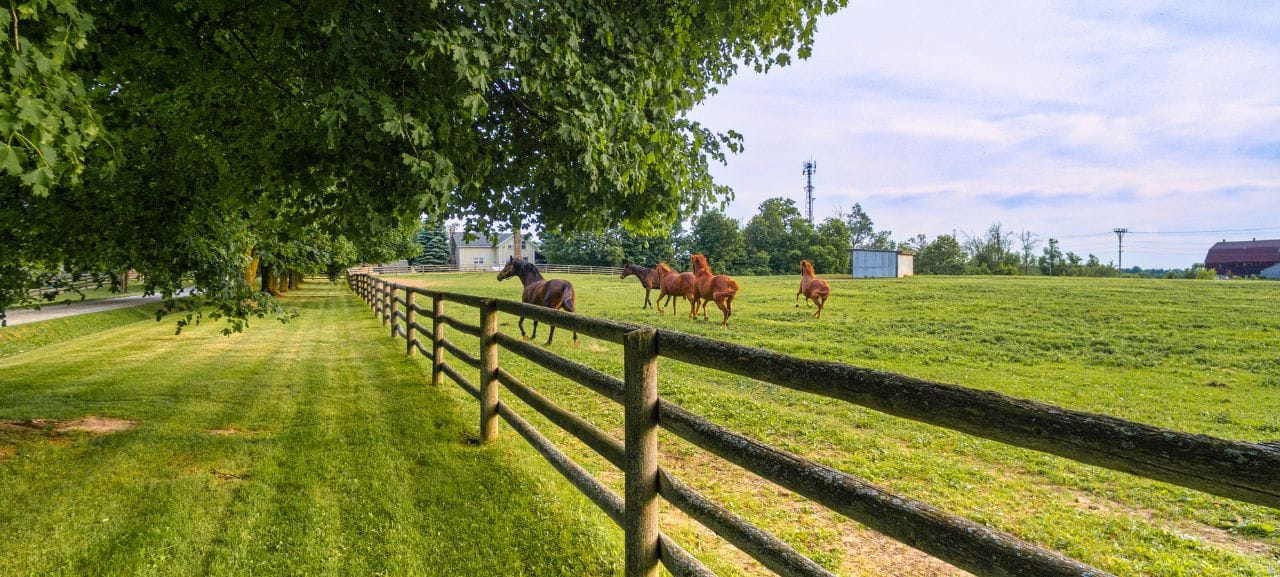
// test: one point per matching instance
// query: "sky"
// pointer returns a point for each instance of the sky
(1064, 119)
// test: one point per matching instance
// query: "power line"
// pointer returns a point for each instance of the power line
(1275, 228)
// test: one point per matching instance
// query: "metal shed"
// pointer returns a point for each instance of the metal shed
(874, 263)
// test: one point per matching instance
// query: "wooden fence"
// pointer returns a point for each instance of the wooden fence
(425, 268)
(64, 283)
(1237, 470)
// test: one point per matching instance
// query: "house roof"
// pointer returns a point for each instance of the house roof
(1251, 251)
(483, 241)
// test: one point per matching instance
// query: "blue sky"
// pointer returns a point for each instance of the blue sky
(1065, 119)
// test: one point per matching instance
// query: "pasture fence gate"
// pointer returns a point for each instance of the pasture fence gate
(1238, 470)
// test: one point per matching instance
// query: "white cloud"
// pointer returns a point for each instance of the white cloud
(1065, 120)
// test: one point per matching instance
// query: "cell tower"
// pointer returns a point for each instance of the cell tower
(810, 167)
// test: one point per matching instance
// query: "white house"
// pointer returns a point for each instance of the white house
(483, 254)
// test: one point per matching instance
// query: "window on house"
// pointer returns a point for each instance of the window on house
(477, 260)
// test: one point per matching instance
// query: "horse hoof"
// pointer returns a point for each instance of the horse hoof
(524, 338)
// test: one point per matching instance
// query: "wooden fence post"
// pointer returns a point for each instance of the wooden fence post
(437, 340)
(488, 371)
(386, 302)
(640, 513)
(391, 309)
(410, 316)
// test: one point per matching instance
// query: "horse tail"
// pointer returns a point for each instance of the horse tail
(730, 289)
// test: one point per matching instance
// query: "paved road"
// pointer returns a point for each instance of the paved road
(58, 310)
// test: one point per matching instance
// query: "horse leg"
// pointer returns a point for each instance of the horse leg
(520, 324)
(647, 304)
(535, 331)
(552, 335)
(798, 293)
(725, 306)
(821, 302)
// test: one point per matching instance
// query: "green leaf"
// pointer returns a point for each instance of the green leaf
(10, 160)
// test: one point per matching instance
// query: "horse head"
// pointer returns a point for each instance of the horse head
(626, 270)
(806, 267)
(699, 263)
(510, 270)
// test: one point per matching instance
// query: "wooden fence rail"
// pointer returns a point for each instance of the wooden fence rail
(1238, 470)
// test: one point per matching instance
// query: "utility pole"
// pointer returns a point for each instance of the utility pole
(1120, 257)
(810, 167)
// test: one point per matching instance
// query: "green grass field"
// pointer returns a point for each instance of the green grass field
(316, 447)
(312, 448)
(1194, 356)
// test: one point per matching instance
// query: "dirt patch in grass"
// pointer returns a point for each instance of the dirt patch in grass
(96, 425)
(225, 432)
(1210, 535)
(7, 451)
(46, 427)
(855, 547)
(225, 476)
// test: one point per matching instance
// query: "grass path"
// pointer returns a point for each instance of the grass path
(311, 448)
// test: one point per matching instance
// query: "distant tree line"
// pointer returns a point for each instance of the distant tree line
(778, 237)
(772, 242)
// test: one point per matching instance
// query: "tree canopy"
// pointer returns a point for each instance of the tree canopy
(198, 141)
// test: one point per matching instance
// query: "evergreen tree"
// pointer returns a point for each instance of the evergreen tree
(434, 241)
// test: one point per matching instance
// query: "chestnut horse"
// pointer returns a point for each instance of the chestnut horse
(813, 288)
(648, 279)
(672, 284)
(553, 294)
(716, 288)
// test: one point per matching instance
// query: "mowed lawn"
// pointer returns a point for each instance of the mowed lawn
(1196, 356)
(308, 448)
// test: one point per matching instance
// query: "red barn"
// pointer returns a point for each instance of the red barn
(1243, 258)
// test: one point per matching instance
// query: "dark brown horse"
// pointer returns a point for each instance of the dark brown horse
(716, 288)
(672, 284)
(813, 288)
(553, 294)
(648, 279)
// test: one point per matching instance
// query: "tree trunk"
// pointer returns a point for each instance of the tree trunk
(517, 239)
(270, 282)
(251, 272)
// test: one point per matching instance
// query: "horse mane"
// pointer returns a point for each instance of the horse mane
(806, 267)
(699, 261)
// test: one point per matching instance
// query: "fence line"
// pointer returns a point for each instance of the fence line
(441, 268)
(1238, 470)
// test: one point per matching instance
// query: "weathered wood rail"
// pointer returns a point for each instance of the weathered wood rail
(1238, 470)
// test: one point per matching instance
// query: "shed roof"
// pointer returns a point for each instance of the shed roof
(1251, 251)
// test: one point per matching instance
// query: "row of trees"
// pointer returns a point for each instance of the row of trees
(772, 242)
(777, 237)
